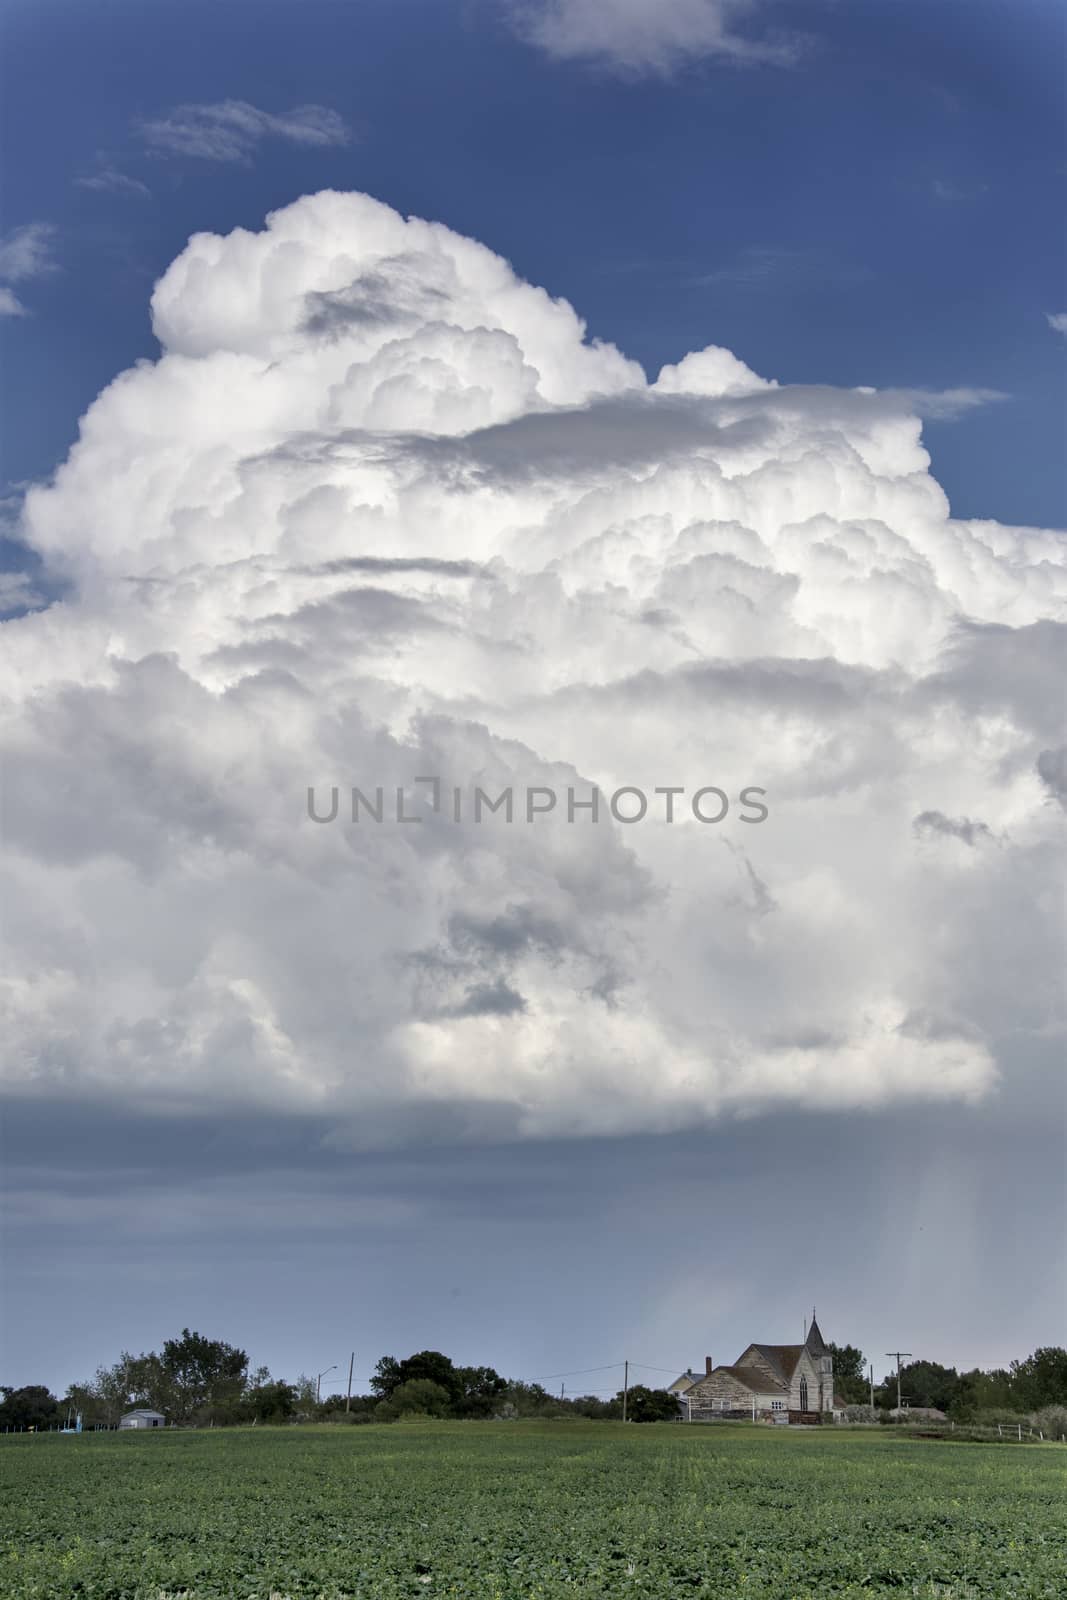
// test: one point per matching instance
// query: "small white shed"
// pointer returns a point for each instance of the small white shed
(143, 1419)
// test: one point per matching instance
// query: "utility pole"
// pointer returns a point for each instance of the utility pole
(899, 1355)
(348, 1396)
(625, 1387)
(872, 1385)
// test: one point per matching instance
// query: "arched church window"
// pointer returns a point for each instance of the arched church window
(803, 1394)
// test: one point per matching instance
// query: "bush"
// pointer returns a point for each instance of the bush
(1051, 1421)
(418, 1396)
(860, 1413)
(1000, 1416)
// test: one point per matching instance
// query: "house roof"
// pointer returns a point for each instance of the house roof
(141, 1411)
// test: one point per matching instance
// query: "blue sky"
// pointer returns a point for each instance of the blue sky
(308, 1090)
(887, 211)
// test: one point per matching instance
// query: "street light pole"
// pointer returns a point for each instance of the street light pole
(320, 1377)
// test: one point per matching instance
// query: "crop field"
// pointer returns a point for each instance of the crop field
(494, 1511)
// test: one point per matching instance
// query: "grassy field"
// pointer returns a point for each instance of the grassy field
(492, 1511)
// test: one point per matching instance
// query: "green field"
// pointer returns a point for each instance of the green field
(487, 1510)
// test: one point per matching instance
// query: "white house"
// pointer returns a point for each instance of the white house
(143, 1419)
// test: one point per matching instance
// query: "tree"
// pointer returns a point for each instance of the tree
(201, 1372)
(849, 1381)
(1040, 1380)
(32, 1406)
(415, 1397)
(267, 1399)
(386, 1377)
(924, 1383)
(133, 1380)
(149, 1384)
(593, 1407)
(981, 1391)
(389, 1374)
(930, 1384)
(305, 1396)
(480, 1391)
(528, 1399)
(650, 1405)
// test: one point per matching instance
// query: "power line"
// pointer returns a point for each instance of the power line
(577, 1372)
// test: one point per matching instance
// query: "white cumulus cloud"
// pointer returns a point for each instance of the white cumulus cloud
(381, 511)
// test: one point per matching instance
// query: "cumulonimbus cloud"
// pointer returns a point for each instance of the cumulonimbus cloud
(382, 511)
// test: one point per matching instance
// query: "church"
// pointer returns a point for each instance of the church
(767, 1379)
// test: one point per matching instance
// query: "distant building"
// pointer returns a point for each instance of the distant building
(143, 1419)
(766, 1378)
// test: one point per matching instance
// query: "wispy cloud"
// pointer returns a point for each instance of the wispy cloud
(230, 130)
(25, 252)
(110, 180)
(947, 192)
(1057, 321)
(945, 405)
(650, 37)
(762, 265)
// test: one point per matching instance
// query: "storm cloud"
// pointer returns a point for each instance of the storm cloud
(381, 510)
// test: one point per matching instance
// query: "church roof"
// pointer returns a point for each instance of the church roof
(748, 1376)
(751, 1377)
(781, 1358)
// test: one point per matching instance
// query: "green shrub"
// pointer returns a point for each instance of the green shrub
(1051, 1421)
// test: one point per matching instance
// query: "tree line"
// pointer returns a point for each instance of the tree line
(1023, 1388)
(197, 1381)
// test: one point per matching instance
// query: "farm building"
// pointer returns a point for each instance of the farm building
(766, 1378)
(143, 1419)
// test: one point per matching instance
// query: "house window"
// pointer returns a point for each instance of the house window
(803, 1394)
(777, 1405)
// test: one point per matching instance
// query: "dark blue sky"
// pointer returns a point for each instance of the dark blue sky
(887, 211)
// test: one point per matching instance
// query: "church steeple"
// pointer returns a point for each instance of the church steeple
(815, 1341)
